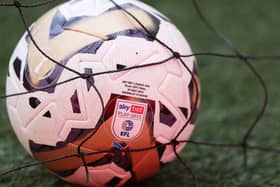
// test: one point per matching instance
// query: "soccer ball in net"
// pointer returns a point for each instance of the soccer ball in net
(143, 108)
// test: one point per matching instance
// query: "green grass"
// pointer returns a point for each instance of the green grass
(231, 97)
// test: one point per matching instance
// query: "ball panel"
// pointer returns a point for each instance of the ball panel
(106, 175)
(177, 95)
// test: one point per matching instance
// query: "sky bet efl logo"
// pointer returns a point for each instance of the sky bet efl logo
(132, 108)
(128, 119)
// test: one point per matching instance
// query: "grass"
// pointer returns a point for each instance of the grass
(231, 97)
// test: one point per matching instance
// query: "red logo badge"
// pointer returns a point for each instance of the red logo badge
(137, 109)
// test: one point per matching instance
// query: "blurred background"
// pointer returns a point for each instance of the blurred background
(231, 96)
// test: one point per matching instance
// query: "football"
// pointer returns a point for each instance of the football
(115, 108)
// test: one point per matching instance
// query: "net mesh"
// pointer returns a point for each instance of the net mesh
(242, 146)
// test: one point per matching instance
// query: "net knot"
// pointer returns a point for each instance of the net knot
(244, 144)
(151, 37)
(17, 4)
(176, 54)
(243, 57)
(174, 142)
(86, 75)
(80, 154)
